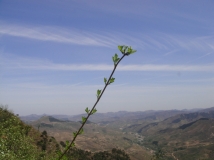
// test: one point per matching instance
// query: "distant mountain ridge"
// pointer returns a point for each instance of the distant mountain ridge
(34, 117)
(113, 115)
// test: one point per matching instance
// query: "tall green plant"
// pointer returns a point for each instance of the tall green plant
(126, 51)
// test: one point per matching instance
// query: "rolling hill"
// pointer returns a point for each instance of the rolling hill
(181, 134)
(96, 138)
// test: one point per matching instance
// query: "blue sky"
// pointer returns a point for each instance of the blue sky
(54, 55)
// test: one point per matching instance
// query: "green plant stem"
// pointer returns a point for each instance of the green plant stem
(90, 113)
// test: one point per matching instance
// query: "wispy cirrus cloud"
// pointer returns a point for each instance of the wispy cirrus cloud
(155, 41)
(171, 52)
(175, 42)
(205, 55)
(56, 34)
(31, 64)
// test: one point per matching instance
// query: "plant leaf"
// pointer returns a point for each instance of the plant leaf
(94, 111)
(105, 80)
(120, 48)
(125, 49)
(87, 110)
(83, 119)
(98, 93)
(130, 51)
(67, 143)
(81, 131)
(115, 58)
(74, 134)
(111, 80)
(133, 51)
(73, 144)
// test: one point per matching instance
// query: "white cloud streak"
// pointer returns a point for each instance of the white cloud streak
(55, 34)
(201, 57)
(30, 64)
(178, 42)
(171, 52)
(155, 41)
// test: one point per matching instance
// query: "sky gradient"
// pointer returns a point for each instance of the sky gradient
(54, 55)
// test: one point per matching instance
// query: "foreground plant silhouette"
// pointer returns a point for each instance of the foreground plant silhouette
(126, 51)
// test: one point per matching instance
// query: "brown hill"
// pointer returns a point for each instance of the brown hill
(96, 138)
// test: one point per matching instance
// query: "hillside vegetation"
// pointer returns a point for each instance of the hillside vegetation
(21, 141)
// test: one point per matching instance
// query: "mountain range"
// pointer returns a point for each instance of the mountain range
(181, 134)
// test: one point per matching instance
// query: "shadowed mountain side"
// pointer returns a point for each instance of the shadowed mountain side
(34, 117)
(51, 122)
(171, 122)
(194, 140)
